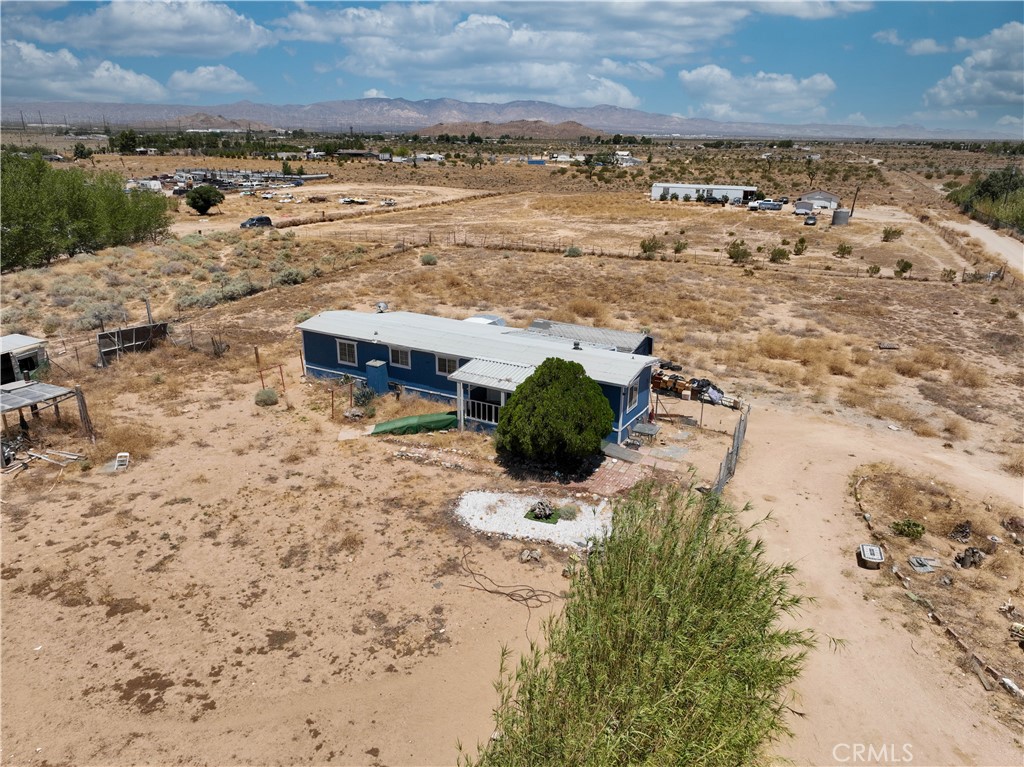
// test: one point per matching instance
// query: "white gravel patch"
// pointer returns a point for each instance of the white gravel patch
(505, 514)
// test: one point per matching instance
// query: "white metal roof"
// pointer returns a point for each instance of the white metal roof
(456, 338)
(605, 338)
(503, 376)
(16, 342)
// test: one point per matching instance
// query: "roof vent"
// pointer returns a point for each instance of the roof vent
(576, 346)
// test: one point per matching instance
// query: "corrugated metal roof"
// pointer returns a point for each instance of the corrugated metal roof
(16, 341)
(441, 335)
(20, 394)
(602, 338)
(503, 376)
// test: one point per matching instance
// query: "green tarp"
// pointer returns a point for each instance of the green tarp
(414, 424)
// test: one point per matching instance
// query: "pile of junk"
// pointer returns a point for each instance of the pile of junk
(669, 383)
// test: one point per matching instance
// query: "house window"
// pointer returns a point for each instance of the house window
(447, 365)
(347, 353)
(634, 395)
(400, 358)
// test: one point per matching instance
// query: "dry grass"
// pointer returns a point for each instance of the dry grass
(966, 375)
(955, 428)
(965, 603)
(876, 378)
(1014, 463)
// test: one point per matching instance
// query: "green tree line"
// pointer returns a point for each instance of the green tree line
(999, 195)
(48, 213)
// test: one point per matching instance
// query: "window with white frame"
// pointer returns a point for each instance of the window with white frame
(400, 357)
(634, 395)
(347, 352)
(447, 365)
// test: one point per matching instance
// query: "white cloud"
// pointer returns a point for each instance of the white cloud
(215, 79)
(857, 118)
(634, 70)
(811, 10)
(992, 75)
(925, 47)
(373, 93)
(887, 36)
(724, 96)
(1012, 121)
(605, 91)
(550, 51)
(149, 28)
(33, 73)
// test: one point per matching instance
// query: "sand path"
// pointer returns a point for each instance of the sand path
(885, 688)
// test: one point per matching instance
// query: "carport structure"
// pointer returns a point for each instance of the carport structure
(37, 396)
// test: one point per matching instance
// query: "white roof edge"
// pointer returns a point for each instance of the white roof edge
(16, 342)
(443, 335)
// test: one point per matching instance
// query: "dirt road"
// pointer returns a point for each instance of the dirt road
(882, 686)
(1006, 248)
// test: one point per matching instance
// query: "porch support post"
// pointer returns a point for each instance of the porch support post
(461, 406)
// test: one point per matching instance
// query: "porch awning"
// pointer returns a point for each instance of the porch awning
(503, 376)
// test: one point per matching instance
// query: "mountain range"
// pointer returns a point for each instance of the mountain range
(403, 116)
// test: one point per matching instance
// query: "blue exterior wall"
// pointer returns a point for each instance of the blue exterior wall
(321, 355)
(618, 399)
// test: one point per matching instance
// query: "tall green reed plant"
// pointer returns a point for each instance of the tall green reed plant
(669, 650)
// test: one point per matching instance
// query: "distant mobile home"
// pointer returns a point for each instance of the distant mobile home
(821, 199)
(745, 193)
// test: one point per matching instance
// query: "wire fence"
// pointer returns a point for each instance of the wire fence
(462, 238)
(727, 469)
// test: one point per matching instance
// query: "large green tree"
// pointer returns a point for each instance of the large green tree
(204, 197)
(558, 414)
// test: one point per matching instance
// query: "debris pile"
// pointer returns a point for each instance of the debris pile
(961, 532)
(542, 509)
(971, 557)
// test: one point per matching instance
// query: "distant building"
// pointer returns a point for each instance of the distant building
(667, 189)
(821, 199)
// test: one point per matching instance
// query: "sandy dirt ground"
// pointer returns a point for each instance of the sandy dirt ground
(881, 687)
(263, 592)
(256, 590)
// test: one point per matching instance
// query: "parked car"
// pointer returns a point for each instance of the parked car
(810, 221)
(784, 200)
(255, 221)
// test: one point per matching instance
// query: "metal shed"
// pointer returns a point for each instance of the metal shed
(20, 354)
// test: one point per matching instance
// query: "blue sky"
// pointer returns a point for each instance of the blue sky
(957, 65)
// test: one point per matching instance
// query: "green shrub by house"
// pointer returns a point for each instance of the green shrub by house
(558, 415)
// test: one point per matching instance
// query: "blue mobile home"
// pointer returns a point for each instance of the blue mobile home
(476, 365)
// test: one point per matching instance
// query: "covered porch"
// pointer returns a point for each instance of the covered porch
(483, 387)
